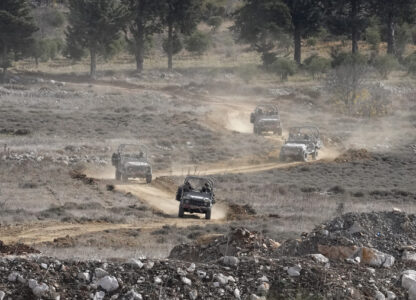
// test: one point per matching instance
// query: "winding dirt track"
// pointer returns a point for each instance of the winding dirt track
(226, 114)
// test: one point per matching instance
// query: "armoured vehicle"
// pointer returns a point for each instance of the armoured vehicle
(196, 195)
(302, 143)
(266, 118)
(131, 161)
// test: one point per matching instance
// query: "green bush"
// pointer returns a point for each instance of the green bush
(177, 44)
(311, 42)
(373, 37)
(55, 18)
(317, 65)
(340, 58)
(385, 65)
(198, 42)
(403, 38)
(410, 63)
(215, 22)
(284, 68)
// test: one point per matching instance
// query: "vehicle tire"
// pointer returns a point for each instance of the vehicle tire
(208, 214)
(118, 175)
(304, 157)
(282, 157)
(255, 130)
(149, 179)
(124, 178)
(181, 212)
(315, 155)
(252, 118)
(179, 194)
(279, 132)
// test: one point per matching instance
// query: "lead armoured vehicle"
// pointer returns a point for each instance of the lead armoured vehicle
(131, 161)
(196, 195)
(266, 118)
(302, 143)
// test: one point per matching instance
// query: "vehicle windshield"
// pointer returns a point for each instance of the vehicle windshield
(268, 110)
(134, 152)
(304, 134)
(198, 184)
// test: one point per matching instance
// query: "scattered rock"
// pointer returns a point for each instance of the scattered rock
(100, 273)
(108, 283)
(320, 258)
(294, 271)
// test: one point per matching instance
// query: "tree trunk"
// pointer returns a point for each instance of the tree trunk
(4, 63)
(298, 45)
(93, 71)
(37, 61)
(391, 37)
(354, 29)
(170, 46)
(139, 51)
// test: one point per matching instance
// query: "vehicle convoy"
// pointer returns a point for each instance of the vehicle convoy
(196, 195)
(302, 143)
(131, 161)
(266, 118)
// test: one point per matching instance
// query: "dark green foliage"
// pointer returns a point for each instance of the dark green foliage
(284, 68)
(259, 23)
(385, 64)
(215, 22)
(348, 17)
(306, 16)
(178, 16)
(143, 22)
(55, 18)
(177, 44)
(373, 37)
(393, 13)
(94, 25)
(343, 58)
(403, 37)
(316, 65)
(16, 29)
(198, 42)
(410, 63)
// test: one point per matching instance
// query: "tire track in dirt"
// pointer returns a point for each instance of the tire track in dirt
(224, 116)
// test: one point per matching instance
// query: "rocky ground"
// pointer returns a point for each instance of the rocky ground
(356, 256)
(70, 231)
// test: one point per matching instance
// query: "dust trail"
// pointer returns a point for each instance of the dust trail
(238, 121)
(164, 201)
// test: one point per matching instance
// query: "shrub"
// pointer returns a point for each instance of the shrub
(198, 43)
(345, 58)
(55, 18)
(385, 65)
(317, 65)
(284, 68)
(373, 37)
(410, 62)
(177, 44)
(403, 37)
(215, 22)
(311, 42)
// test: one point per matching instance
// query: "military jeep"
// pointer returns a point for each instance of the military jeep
(131, 161)
(196, 195)
(266, 118)
(302, 143)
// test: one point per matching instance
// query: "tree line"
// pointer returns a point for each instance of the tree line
(94, 26)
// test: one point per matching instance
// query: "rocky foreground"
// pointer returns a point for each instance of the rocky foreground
(355, 256)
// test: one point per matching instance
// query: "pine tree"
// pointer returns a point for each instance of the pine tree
(16, 29)
(143, 22)
(179, 16)
(94, 25)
